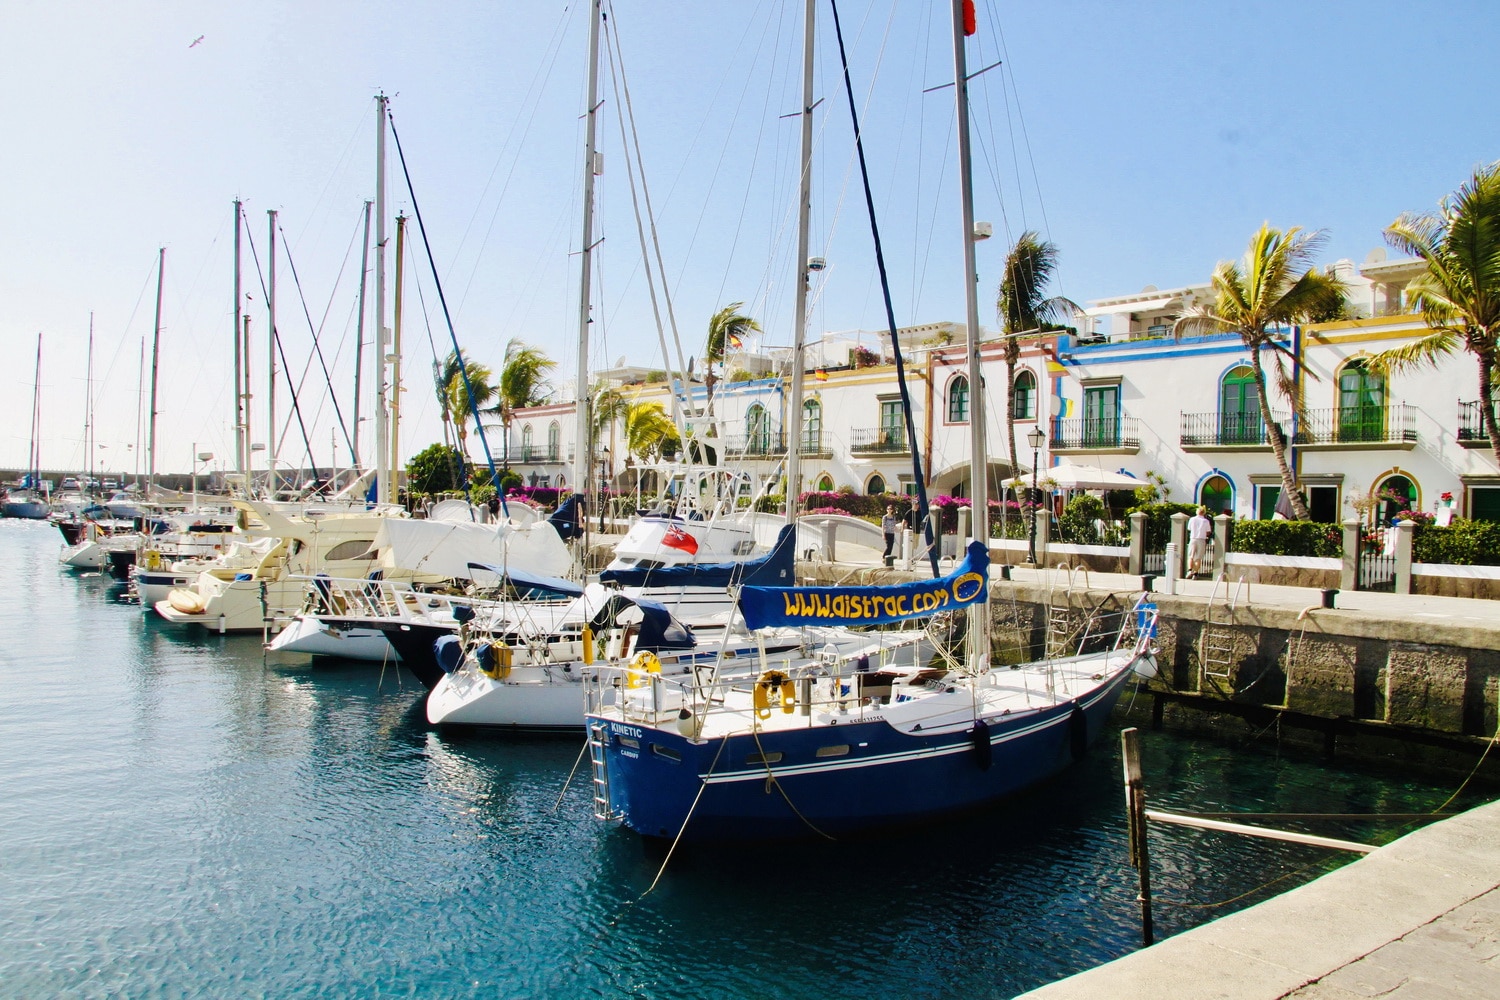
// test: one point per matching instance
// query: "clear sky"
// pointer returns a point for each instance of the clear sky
(1147, 140)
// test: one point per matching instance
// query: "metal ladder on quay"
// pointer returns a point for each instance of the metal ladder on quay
(1216, 640)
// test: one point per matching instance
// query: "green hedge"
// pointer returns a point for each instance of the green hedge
(1288, 538)
(1159, 521)
(1462, 543)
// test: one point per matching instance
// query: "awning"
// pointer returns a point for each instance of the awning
(1081, 477)
(1146, 305)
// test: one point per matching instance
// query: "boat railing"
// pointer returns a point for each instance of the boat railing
(363, 598)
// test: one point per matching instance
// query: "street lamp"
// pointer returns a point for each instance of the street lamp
(1036, 438)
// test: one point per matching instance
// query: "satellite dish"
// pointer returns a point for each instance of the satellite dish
(620, 363)
(1054, 408)
(1149, 288)
(1375, 256)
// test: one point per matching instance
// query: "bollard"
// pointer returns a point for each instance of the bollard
(1174, 565)
(1328, 595)
(1147, 579)
(1005, 571)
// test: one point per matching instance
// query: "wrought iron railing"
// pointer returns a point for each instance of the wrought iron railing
(1096, 432)
(1471, 424)
(541, 453)
(1394, 424)
(760, 444)
(877, 439)
(1226, 429)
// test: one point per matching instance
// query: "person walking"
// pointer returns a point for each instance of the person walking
(1200, 528)
(890, 526)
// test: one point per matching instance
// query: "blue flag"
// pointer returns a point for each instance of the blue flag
(967, 584)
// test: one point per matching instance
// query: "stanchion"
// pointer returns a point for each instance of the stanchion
(1135, 812)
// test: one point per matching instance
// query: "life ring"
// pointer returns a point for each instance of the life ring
(186, 602)
(645, 662)
(782, 684)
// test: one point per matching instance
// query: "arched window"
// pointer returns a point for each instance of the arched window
(812, 427)
(1239, 408)
(1217, 494)
(1023, 403)
(958, 400)
(1361, 403)
(824, 483)
(554, 442)
(526, 442)
(875, 485)
(757, 430)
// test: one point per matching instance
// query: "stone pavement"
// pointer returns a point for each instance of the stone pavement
(1416, 919)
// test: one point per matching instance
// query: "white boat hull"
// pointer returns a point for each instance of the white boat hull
(307, 634)
(531, 698)
(85, 555)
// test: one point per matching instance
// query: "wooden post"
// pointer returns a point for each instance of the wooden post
(1135, 809)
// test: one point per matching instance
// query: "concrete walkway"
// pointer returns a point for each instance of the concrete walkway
(1416, 919)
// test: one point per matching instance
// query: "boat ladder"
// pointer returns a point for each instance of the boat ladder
(1216, 643)
(1062, 630)
(599, 766)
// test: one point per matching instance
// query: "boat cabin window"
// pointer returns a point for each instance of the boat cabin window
(841, 750)
(774, 757)
(348, 550)
(666, 752)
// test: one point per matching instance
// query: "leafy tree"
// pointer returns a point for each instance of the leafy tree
(725, 326)
(1024, 308)
(1255, 297)
(460, 406)
(523, 382)
(1459, 293)
(438, 468)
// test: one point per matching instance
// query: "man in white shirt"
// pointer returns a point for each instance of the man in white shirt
(1200, 528)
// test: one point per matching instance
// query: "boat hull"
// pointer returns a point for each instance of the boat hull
(532, 699)
(837, 780)
(31, 510)
(308, 634)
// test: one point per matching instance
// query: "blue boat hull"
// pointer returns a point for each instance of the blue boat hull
(885, 778)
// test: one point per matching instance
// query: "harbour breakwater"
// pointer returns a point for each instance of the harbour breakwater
(1334, 671)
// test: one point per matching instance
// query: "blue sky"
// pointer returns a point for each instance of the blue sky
(1147, 140)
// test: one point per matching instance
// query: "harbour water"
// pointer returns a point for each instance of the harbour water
(180, 817)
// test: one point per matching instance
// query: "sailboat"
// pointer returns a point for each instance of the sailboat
(839, 748)
(30, 501)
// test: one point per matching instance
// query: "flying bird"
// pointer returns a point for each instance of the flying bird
(195, 41)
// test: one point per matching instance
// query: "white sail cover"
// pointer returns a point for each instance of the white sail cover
(445, 548)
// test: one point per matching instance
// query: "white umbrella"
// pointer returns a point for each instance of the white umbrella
(1080, 477)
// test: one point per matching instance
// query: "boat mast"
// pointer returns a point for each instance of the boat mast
(234, 339)
(799, 319)
(979, 629)
(359, 333)
(271, 360)
(35, 458)
(395, 428)
(244, 349)
(161, 267)
(582, 465)
(88, 409)
(382, 445)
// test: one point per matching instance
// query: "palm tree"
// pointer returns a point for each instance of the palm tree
(649, 431)
(1023, 309)
(523, 382)
(1266, 290)
(725, 327)
(460, 405)
(1459, 293)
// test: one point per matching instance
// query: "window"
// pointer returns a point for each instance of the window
(1101, 416)
(348, 550)
(525, 442)
(1023, 402)
(958, 400)
(1361, 403)
(892, 424)
(1217, 495)
(824, 484)
(1239, 408)
(1484, 503)
(554, 442)
(758, 430)
(875, 485)
(812, 426)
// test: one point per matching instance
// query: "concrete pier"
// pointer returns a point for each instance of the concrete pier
(1418, 918)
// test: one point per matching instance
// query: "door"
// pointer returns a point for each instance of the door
(1101, 416)
(1361, 404)
(892, 426)
(1239, 408)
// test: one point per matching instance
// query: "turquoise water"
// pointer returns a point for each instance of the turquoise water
(181, 818)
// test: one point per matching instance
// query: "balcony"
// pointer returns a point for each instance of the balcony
(1471, 426)
(535, 454)
(814, 444)
(764, 444)
(1359, 428)
(1230, 431)
(1102, 434)
(878, 441)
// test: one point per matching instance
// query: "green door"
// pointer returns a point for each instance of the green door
(892, 426)
(1101, 416)
(1361, 404)
(1239, 408)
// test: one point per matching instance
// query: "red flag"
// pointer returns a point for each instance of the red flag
(676, 538)
(735, 343)
(820, 375)
(969, 19)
